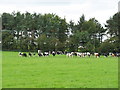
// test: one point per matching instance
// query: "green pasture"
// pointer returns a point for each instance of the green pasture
(58, 72)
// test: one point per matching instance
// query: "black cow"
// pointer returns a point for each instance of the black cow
(106, 54)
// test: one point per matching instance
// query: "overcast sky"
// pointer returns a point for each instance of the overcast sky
(70, 9)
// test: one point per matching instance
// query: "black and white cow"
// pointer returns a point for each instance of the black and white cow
(106, 54)
(88, 54)
(40, 53)
(59, 52)
(30, 54)
(69, 54)
(53, 53)
(22, 54)
(46, 54)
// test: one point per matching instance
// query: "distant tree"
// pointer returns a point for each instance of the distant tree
(113, 30)
(7, 40)
(51, 32)
(106, 47)
(7, 21)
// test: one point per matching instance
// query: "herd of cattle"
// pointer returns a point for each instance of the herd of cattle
(68, 54)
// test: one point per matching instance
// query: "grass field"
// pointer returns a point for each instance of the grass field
(59, 72)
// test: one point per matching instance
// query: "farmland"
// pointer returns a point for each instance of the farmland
(58, 72)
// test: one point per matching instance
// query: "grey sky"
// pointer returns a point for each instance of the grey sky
(70, 9)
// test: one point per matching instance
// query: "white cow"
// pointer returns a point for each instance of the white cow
(69, 54)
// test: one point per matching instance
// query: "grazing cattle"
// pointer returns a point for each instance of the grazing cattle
(53, 53)
(69, 54)
(78, 54)
(97, 55)
(88, 54)
(113, 55)
(59, 52)
(118, 54)
(30, 54)
(46, 54)
(81, 54)
(40, 54)
(22, 54)
(74, 53)
(106, 55)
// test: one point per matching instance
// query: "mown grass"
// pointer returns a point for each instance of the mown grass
(59, 72)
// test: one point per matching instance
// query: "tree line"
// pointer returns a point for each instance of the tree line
(49, 32)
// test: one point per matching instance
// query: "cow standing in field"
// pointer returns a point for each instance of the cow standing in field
(30, 54)
(74, 53)
(81, 54)
(78, 54)
(59, 52)
(97, 55)
(53, 53)
(40, 53)
(106, 54)
(88, 54)
(46, 54)
(69, 54)
(22, 54)
(118, 54)
(113, 55)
